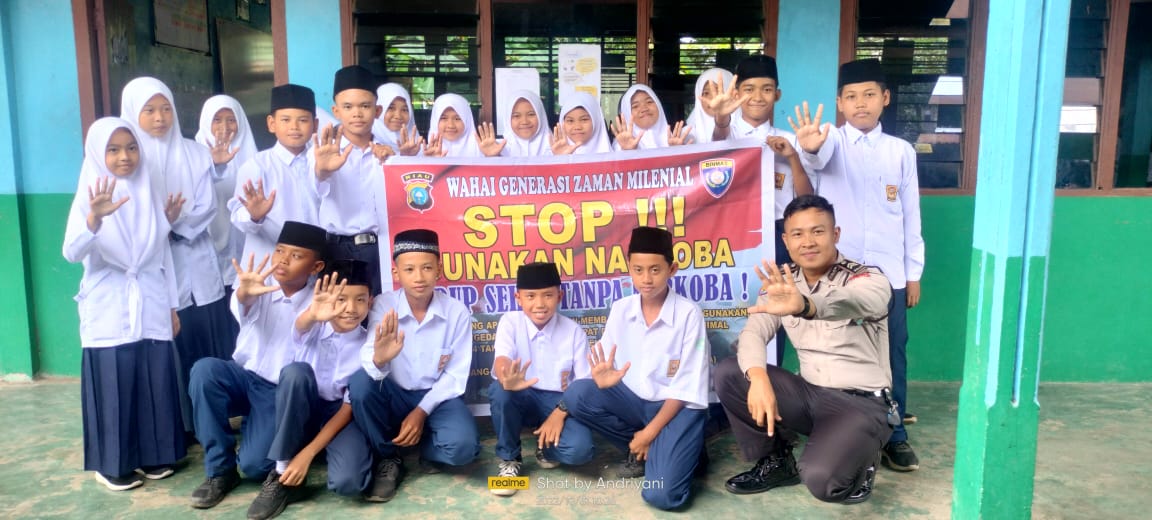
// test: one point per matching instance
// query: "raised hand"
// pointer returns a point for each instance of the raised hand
(382, 152)
(325, 298)
(780, 146)
(220, 152)
(389, 340)
(622, 129)
(254, 200)
(435, 146)
(250, 282)
(726, 100)
(513, 376)
(486, 137)
(410, 144)
(809, 135)
(779, 289)
(326, 150)
(173, 206)
(679, 134)
(100, 202)
(560, 143)
(604, 371)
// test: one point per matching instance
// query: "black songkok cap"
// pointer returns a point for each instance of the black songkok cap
(757, 66)
(651, 240)
(537, 275)
(860, 71)
(293, 96)
(304, 235)
(354, 76)
(354, 272)
(416, 241)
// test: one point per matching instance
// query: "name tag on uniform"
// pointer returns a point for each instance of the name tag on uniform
(673, 366)
(892, 191)
(779, 181)
(564, 379)
(443, 362)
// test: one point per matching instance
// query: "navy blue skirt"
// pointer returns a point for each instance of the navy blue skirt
(131, 409)
(205, 331)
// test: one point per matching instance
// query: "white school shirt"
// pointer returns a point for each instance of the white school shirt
(437, 353)
(296, 199)
(352, 199)
(782, 176)
(197, 266)
(559, 351)
(871, 181)
(265, 344)
(670, 359)
(334, 357)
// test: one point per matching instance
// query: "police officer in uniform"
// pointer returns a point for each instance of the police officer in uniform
(835, 311)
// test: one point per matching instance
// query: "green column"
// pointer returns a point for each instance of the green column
(997, 424)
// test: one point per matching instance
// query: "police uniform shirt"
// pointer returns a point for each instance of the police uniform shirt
(559, 351)
(846, 344)
(334, 357)
(782, 176)
(265, 344)
(352, 200)
(670, 359)
(437, 353)
(296, 199)
(871, 180)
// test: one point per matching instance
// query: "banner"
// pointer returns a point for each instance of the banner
(496, 214)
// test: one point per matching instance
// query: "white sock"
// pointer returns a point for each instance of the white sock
(281, 466)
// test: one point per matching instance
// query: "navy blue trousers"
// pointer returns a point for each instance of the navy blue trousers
(511, 411)
(898, 356)
(379, 407)
(220, 389)
(617, 414)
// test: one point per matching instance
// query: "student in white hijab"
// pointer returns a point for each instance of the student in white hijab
(225, 130)
(641, 123)
(581, 127)
(451, 132)
(702, 120)
(396, 126)
(181, 178)
(127, 305)
(526, 130)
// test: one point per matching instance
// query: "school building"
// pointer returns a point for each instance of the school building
(1032, 120)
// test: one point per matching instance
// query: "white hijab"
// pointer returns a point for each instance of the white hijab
(598, 143)
(385, 95)
(703, 124)
(466, 145)
(540, 143)
(224, 188)
(174, 167)
(655, 137)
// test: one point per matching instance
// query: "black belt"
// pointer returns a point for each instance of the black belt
(358, 239)
(862, 393)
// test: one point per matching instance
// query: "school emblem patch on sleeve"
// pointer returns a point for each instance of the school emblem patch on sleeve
(443, 362)
(418, 186)
(779, 181)
(892, 191)
(717, 175)
(673, 367)
(564, 374)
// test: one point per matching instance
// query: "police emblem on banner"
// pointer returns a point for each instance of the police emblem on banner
(418, 187)
(717, 174)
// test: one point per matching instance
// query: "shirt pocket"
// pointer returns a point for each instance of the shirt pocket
(103, 309)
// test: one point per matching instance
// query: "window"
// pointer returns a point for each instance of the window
(1133, 168)
(1078, 153)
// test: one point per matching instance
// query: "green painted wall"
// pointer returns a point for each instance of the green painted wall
(1099, 313)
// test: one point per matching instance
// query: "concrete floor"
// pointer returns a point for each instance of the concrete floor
(1095, 455)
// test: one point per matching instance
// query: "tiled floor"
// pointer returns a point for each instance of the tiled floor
(1095, 456)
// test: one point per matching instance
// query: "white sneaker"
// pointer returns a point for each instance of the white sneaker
(508, 468)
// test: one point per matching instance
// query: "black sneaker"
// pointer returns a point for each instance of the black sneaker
(429, 467)
(775, 470)
(156, 472)
(545, 462)
(865, 490)
(630, 468)
(909, 418)
(272, 500)
(900, 457)
(385, 477)
(214, 489)
(118, 483)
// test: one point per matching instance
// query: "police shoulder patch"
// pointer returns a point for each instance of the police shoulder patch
(846, 270)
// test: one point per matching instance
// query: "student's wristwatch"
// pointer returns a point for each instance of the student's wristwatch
(562, 406)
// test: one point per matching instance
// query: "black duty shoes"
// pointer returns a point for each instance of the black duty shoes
(214, 489)
(385, 478)
(775, 470)
(865, 490)
(900, 457)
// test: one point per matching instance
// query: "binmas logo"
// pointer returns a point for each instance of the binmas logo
(717, 174)
(418, 187)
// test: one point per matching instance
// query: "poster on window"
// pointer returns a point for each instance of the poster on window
(182, 24)
(579, 70)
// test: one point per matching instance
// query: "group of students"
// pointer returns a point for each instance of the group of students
(265, 268)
